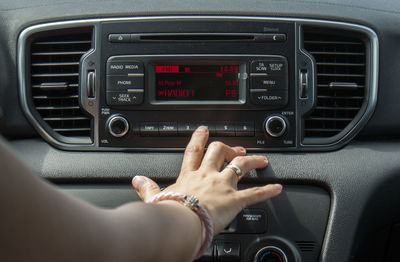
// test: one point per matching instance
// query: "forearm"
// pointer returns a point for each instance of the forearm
(167, 231)
(39, 223)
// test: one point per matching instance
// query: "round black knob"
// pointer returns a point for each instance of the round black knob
(275, 126)
(270, 254)
(117, 126)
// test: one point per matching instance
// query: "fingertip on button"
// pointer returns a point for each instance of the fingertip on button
(202, 129)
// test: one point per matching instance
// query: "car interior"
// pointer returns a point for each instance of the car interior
(93, 93)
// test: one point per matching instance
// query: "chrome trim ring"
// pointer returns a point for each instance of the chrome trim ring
(114, 118)
(272, 133)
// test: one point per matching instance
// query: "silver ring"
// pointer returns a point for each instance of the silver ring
(235, 169)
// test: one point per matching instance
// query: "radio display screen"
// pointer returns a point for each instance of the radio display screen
(197, 82)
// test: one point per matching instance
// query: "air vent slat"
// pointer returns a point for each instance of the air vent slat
(55, 58)
(336, 108)
(332, 42)
(55, 75)
(48, 86)
(341, 97)
(57, 107)
(341, 73)
(63, 42)
(323, 129)
(339, 64)
(56, 64)
(329, 119)
(55, 97)
(65, 118)
(336, 53)
(58, 53)
(327, 85)
(70, 129)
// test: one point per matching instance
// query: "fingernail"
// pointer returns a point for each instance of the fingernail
(138, 182)
(202, 129)
(241, 149)
(278, 187)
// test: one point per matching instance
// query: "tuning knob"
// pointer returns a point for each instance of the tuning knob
(275, 126)
(117, 126)
(270, 254)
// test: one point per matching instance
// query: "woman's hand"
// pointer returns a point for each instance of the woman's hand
(216, 190)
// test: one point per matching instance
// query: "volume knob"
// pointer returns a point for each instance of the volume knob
(275, 126)
(117, 126)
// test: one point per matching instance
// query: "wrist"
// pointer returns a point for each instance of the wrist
(192, 216)
(191, 203)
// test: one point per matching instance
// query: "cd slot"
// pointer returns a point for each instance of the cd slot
(207, 37)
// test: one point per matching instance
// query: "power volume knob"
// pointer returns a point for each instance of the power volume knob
(117, 126)
(270, 254)
(275, 126)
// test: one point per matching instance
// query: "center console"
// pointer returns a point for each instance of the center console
(145, 83)
(159, 84)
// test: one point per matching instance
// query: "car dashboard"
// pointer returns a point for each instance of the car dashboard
(93, 93)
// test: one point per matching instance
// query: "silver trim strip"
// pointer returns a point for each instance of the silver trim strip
(24, 35)
(258, 90)
(135, 90)
(258, 74)
(136, 75)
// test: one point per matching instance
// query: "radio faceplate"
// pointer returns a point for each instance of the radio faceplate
(158, 85)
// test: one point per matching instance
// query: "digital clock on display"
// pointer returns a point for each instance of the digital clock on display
(197, 82)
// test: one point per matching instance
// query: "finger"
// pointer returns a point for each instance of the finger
(218, 153)
(195, 149)
(254, 195)
(145, 187)
(245, 163)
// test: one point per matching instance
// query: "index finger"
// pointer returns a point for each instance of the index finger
(195, 149)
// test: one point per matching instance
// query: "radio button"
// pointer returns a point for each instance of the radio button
(225, 129)
(277, 67)
(244, 129)
(168, 129)
(259, 67)
(270, 98)
(149, 129)
(119, 38)
(268, 83)
(124, 98)
(186, 128)
(123, 83)
(125, 68)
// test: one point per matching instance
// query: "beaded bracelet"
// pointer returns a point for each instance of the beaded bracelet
(193, 203)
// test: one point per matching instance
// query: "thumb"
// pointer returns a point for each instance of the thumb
(145, 187)
(255, 195)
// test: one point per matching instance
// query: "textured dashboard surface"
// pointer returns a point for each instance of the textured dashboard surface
(352, 176)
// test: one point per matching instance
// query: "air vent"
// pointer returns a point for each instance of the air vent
(306, 246)
(55, 57)
(341, 77)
